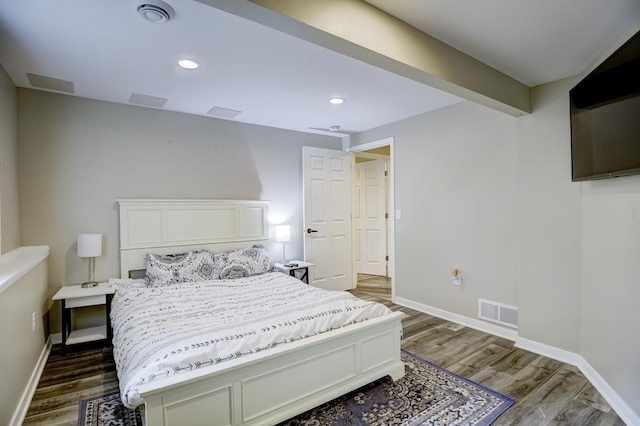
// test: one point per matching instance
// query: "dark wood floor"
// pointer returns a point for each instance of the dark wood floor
(547, 392)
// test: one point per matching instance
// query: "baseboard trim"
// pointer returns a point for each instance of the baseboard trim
(615, 401)
(608, 393)
(459, 319)
(27, 395)
(56, 338)
(552, 352)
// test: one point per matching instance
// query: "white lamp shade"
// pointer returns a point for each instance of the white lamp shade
(283, 233)
(89, 245)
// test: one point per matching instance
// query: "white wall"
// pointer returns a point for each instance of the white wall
(10, 221)
(78, 156)
(455, 183)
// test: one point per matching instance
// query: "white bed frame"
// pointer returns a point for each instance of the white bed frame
(259, 389)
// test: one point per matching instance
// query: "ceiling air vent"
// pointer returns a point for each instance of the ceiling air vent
(147, 100)
(221, 112)
(156, 11)
(51, 83)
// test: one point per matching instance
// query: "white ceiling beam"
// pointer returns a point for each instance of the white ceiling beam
(359, 30)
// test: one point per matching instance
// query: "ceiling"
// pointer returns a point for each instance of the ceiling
(109, 52)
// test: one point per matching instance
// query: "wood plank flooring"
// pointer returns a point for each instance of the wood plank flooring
(547, 392)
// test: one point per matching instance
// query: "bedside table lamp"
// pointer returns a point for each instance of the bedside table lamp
(283, 234)
(90, 245)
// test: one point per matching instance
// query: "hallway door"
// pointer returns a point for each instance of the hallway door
(371, 218)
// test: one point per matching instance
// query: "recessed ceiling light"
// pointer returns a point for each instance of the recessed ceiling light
(336, 100)
(188, 64)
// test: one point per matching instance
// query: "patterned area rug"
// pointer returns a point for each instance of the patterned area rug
(108, 410)
(427, 395)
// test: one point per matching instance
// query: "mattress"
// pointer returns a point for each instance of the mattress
(163, 332)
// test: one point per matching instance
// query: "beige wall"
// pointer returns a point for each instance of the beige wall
(455, 183)
(548, 233)
(579, 250)
(611, 283)
(78, 156)
(22, 347)
(9, 164)
(610, 243)
(567, 254)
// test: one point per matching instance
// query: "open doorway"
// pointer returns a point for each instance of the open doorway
(373, 236)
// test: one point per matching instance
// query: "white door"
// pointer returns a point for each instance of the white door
(327, 217)
(370, 215)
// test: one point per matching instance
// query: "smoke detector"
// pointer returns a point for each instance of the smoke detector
(156, 11)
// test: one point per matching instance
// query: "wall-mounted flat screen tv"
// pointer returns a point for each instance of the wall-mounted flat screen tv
(605, 117)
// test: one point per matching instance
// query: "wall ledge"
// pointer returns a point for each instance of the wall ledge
(16, 263)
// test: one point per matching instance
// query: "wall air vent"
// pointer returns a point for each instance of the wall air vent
(498, 313)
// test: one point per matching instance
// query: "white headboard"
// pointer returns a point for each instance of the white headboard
(175, 226)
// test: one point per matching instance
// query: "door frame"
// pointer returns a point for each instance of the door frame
(391, 237)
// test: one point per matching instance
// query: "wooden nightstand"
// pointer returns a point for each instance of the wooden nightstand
(74, 296)
(300, 266)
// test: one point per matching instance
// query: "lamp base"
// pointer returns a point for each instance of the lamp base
(89, 284)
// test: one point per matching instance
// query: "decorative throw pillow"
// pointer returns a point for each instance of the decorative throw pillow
(163, 270)
(243, 262)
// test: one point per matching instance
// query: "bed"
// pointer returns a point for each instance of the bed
(262, 383)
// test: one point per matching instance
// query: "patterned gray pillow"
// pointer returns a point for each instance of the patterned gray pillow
(243, 262)
(163, 270)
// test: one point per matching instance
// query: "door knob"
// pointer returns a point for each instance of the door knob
(309, 230)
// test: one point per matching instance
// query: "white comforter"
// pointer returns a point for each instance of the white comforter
(161, 332)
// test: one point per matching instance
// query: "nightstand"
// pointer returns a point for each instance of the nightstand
(74, 296)
(301, 266)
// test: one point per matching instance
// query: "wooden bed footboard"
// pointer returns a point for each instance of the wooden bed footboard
(279, 383)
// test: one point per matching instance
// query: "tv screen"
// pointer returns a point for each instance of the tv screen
(605, 117)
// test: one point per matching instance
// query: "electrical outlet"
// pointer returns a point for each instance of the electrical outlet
(456, 276)
(33, 321)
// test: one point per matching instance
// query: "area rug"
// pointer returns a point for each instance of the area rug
(427, 395)
(108, 410)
